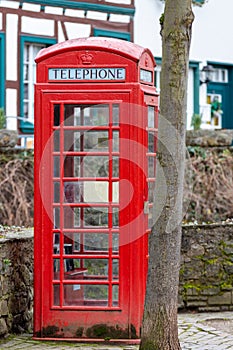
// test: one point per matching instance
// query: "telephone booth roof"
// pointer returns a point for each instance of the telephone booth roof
(112, 45)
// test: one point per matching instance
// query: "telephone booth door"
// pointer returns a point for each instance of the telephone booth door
(94, 179)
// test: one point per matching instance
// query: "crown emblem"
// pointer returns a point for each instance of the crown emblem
(146, 61)
(86, 58)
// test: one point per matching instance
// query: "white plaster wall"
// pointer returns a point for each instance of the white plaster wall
(74, 13)
(119, 18)
(37, 26)
(10, 4)
(75, 30)
(53, 10)
(61, 36)
(97, 15)
(11, 108)
(31, 7)
(11, 46)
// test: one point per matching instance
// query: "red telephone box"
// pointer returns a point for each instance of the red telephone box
(96, 111)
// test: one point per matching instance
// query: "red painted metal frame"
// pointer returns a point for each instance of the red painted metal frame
(62, 322)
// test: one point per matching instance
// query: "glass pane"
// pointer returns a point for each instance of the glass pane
(96, 268)
(97, 141)
(98, 115)
(56, 166)
(115, 217)
(56, 269)
(150, 218)
(151, 142)
(94, 166)
(115, 167)
(96, 295)
(56, 217)
(56, 192)
(73, 294)
(73, 269)
(115, 192)
(71, 166)
(151, 117)
(73, 192)
(86, 115)
(25, 72)
(151, 189)
(68, 268)
(77, 242)
(115, 141)
(86, 192)
(88, 166)
(25, 91)
(26, 53)
(85, 295)
(115, 114)
(95, 242)
(115, 269)
(56, 112)
(56, 141)
(115, 242)
(85, 242)
(70, 113)
(71, 217)
(56, 294)
(95, 217)
(95, 191)
(115, 295)
(151, 167)
(73, 141)
(56, 243)
(26, 109)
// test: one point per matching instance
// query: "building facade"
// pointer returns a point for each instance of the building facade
(26, 26)
(210, 46)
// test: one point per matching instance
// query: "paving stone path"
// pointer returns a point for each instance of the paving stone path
(205, 331)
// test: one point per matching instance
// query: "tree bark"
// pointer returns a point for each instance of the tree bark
(160, 329)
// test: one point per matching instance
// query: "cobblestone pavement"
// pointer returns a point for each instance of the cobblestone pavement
(205, 331)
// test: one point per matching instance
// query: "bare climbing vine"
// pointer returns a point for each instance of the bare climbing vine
(16, 192)
(210, 188)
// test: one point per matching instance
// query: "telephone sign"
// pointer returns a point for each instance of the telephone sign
(86, 73)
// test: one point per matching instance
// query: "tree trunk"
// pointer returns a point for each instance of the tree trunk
(160, 329)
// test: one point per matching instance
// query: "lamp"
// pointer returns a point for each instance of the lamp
(207, 74)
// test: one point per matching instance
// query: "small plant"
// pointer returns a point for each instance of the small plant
(196, 121)
(7, 262)
(2, 119)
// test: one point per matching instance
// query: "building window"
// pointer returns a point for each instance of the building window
(29, 48)
(220, 75)
(29, 79)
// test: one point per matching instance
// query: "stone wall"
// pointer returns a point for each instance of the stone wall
(206, 274)
(16, 280)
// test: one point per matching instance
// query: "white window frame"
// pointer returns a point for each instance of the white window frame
(29, 68)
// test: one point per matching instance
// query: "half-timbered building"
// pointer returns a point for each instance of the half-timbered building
(27, 26)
